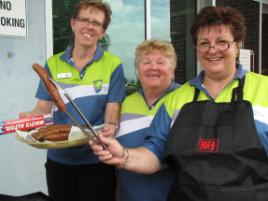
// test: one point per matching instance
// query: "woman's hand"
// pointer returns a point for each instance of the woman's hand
(42, 107)
(139, 160)
(26, 114)
(109, 129)
(114, 152)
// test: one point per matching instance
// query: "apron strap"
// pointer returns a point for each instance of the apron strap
(238, 91)
(196, 93)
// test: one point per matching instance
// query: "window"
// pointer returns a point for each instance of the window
(170, 20)
(160, 19)
(124, 33)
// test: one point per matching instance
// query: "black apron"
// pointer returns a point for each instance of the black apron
(216, 152)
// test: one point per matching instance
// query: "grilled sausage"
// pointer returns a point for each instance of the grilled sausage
(57, 137)
(50, 86)
(50, 133)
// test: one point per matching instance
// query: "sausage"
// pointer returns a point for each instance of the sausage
(57, 137)
(50, 86)
(50, 133)
(55, 128)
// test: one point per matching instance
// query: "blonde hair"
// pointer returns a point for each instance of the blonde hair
(162, 46)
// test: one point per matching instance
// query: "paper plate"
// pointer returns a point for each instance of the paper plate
(78, 139)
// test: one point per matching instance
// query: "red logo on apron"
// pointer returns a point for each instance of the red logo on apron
(208, 145)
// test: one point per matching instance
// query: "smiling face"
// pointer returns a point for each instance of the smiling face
(217, 64)
(154, 71)
(85, 32)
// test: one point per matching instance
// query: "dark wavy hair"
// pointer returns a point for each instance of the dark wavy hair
(220, 15)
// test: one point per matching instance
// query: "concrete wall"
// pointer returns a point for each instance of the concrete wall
(21, 166)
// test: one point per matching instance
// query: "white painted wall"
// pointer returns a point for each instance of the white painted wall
(21, 166)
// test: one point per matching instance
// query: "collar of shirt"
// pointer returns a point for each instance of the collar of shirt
(198, 81)
(67, 56)
(171, 87)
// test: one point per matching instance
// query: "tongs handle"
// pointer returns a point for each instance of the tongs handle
(84, 118)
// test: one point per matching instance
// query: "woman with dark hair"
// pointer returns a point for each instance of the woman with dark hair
(213, 129)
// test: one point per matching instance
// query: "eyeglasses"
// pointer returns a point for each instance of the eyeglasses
(220, 46)
(87, 21)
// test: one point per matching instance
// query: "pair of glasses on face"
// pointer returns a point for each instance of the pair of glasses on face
(87, 21)
(219, 46)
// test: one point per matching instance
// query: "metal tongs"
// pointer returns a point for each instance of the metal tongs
(65, 93)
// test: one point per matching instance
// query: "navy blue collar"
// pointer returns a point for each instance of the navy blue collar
(67, 56)
(171, 87)
(198, 81)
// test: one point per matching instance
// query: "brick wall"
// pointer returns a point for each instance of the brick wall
(177, 36)
(250, 10)
(181, 12)
(265, 44)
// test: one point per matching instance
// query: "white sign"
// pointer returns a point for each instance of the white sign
(13, 18)
(245, 58)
